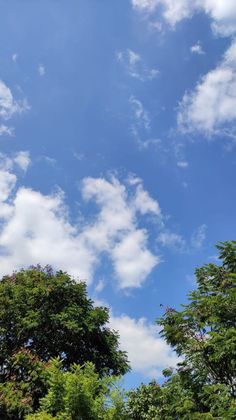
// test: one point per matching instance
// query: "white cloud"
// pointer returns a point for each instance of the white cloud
(38, 231)
(141, 115)
(135, 66)
(14, 57)
(99, 286)
(9, 107)
(22, 159)
(221, 12)
(41, 70)
(7, 183)
(145, 5)
(5, 130)
(141, 126)
(176, 242)
(197, 49)
(211, 106)
(132, 260)
(35, 228)
(115, 229)
(144, 203)
(182, 164)
(171, 240)
(199, 236)
(148, 353)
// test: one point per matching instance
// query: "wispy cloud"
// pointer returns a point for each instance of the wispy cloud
(182, 164)
(14, 57)
(135, 66)
(141, 115)
(141, 125)
(22, 159)
(6, 131)
(199, 236)
(221, 12)
(177, 242)
(197, 49)
(41, 70)
(171, 240)
(9, 107)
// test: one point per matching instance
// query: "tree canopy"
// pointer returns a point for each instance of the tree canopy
(44, 315)
(203, 334)
(80, 394)
(204, 330)
(57, 356)
(51, 315)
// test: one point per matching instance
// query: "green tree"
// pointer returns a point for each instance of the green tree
(176, 400)
(203, 334)
(26, 384)
(44, 315)
(204, 330)
(80, 394)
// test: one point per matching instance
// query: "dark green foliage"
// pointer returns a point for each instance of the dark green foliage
(45, 315)
(144, 402)
(25, 385)
(203, 333)
(51, 315)
(175, 400)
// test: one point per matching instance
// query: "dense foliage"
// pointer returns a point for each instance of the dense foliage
(57, 356)
(177, 399)
(203, 334)
(204, 331)
(80, 394)
(42, 316)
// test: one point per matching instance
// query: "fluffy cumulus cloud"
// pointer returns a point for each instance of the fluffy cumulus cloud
(148, 353)
(135, 66)
(132, 260)
(115, 229)
(9, 107)
(35, 228)
(221, 12)
(211, 106)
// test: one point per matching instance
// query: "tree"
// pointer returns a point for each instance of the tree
(204, 330)
(80, 394)
(203, 334)
(44, 315)
(51, 315)
(176, 400)
(26, 384)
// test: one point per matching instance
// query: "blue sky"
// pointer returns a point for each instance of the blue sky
(117, 133)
